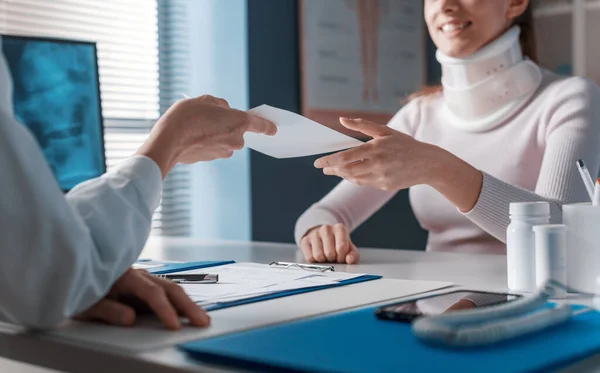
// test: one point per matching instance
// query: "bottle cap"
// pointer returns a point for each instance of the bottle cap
(530, 208)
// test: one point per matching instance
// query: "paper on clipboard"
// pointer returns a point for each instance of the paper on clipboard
(296, 136)
(246, 280)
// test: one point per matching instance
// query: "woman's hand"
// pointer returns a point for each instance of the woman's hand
(136, 291)
(391, 161)
(329, 244)
(394, 161)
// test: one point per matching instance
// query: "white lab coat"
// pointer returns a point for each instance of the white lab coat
(59, 256)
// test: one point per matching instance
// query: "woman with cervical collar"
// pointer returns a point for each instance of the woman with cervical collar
(499, 130)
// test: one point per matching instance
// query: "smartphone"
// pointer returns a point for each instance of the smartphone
(408, 311)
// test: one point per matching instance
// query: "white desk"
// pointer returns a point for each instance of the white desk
(485, 272)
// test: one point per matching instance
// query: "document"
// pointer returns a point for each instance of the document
(247, 280)
(296, 136)
(303, 283)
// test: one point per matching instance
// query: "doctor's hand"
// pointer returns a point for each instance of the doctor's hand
(138, 291)
(200, 129)
(391, 161)
(329, 244)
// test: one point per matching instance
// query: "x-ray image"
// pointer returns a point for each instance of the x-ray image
(56, 96)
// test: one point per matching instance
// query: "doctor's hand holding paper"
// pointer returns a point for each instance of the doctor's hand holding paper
(201, 129)
(88, 239)
(192, 130)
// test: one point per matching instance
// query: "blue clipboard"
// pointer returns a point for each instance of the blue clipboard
(288, 293)
(178, 267)
(358, 342)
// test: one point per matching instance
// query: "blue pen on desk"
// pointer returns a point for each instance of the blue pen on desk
(587, 178)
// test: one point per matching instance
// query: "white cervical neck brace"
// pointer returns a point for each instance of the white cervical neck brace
(482, 90)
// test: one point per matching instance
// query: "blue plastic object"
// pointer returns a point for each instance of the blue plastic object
(358, 342)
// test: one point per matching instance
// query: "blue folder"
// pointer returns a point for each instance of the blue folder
(188, 266)
(357, 342)
(178, 267)
(288, 293)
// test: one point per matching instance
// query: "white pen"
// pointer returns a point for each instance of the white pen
(596, 199)
(587, 178)
(185, 96)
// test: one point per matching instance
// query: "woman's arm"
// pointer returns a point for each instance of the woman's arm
(393, 161)
(572, 133)
(351, 204)
(346, 204)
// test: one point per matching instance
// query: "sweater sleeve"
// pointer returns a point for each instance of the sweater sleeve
(351, 204)
(570, 132)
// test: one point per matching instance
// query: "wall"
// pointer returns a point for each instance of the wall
(283, 189)
(218, 42)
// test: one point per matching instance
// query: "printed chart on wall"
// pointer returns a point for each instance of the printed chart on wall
(360, 58)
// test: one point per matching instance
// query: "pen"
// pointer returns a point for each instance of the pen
(185, 96)
(596, 199)
(192, 278)
(586, 177)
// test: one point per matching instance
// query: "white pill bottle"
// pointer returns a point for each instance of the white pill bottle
(520, 243)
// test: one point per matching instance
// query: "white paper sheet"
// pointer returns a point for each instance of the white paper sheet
(316, 280)
(302, 283)
(237, 278)
(296, 136)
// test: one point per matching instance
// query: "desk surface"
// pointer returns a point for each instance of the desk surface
(486, 272)
(481, 271)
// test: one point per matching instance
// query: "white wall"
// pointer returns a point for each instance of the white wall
(221, 191)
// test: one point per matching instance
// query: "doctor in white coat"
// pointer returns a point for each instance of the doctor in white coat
(70, 256)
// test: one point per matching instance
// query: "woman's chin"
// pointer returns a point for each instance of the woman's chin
(458, 50)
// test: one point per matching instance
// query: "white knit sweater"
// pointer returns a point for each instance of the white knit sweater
(530, 156)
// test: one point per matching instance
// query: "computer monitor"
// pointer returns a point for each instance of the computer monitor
(56, 94)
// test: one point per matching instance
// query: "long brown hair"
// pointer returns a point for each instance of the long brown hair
(528, 46)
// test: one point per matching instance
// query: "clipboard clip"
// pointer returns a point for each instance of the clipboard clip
(305, 267)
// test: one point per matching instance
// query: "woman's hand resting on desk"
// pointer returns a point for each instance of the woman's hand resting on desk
(329, 244)
(138, 291)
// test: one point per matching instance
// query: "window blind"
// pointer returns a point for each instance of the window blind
(174, 66)
(139, 44)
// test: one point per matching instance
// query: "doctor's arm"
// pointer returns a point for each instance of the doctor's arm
(58, 256)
